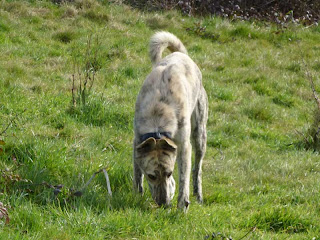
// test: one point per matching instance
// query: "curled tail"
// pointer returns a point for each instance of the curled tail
(162, 40)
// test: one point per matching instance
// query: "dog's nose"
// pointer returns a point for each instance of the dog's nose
(163, 201)
(164, 204)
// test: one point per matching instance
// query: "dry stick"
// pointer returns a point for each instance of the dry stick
(48, 185)
(89, 181)
(108, 182)
(80, 84)
(251, 230)
(7, 127)
(92, 80)
(300, 133)
(92, 177)
(222, 155)
(4, 213)
(11, 121)
(309, 77)
(16, 167)
(72, 90)
(314, 92)
(87, 61)
(94, 59)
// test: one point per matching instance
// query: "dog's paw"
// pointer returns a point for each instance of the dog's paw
(184, 205)
(199, 199)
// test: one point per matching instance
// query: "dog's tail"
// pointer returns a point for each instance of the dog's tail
(162, 40)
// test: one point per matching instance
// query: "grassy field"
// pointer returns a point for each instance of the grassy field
(258, 178)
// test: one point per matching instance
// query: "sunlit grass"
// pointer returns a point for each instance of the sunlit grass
(256, 171)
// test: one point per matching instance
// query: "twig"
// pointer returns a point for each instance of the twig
(16, 167)
(9, 124)
(108, 182)
(309, 77)
(92, 177)
(222, 157)
(316, 98)
(89, 181)
(92, 80)
(251, 231)
(266, 4)
(57, 188)
(317, 133)
(72, 90)
(48, 185)
(4, 213)
(11, 121)
(6, 128)
(300, 133)
(85, 71)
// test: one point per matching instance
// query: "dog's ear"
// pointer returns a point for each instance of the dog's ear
(167, 144)
(147, 145)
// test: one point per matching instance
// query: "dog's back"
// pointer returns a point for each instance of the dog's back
(169, 93)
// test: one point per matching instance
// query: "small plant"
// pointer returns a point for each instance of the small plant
(312, 138)
(201, 31)
(9, 178)
(4, 213)
(84, 73)
(314, 131)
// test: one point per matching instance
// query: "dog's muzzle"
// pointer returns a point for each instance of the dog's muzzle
(163, 193)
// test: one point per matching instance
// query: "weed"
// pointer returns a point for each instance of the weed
(83, 77)
(312, 141)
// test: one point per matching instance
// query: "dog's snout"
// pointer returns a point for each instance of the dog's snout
(161, 196)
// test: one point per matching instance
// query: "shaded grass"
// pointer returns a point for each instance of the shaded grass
(64, 36)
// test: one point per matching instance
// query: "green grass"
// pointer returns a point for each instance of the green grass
(256, 174)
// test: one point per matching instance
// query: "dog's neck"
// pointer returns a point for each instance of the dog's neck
(155, 135)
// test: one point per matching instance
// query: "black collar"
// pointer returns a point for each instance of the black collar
(155, 135)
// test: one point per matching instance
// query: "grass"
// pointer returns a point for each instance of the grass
(256, 174)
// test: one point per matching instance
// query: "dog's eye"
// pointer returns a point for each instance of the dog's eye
(169, 174)
(152, 177)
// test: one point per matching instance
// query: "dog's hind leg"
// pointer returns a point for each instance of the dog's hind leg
(199, 136)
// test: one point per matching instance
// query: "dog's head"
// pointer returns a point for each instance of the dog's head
(156, 158)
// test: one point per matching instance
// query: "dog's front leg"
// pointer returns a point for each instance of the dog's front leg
(184, 167)
(137, 178)
(137, 175)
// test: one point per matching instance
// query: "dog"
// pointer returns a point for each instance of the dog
(171, 113)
